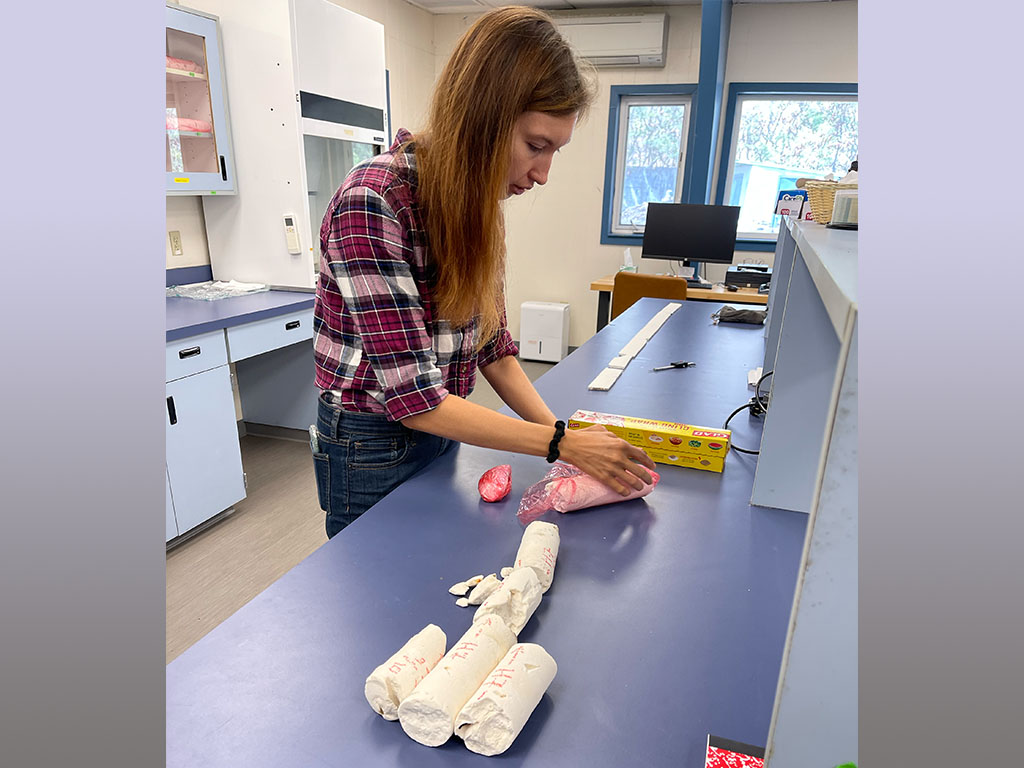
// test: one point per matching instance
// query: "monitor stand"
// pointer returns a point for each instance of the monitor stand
(695, 281)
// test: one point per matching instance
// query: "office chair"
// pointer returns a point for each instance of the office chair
(630, 286)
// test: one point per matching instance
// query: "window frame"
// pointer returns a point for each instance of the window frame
(634, 100)
(730, 133)
(622, 96)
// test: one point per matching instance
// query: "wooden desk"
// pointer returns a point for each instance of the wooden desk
(603, 285)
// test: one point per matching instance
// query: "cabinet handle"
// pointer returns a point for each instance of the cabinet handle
(292, 325)
(171, 412)
(190, 352)
(223, 168)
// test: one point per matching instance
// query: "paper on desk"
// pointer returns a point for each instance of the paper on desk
(604, 380)
(236, 285)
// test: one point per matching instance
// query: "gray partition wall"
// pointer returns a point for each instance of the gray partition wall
(815, 716)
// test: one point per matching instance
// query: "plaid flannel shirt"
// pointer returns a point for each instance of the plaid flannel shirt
(378, 343)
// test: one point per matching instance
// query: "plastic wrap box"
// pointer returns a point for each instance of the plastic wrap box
(665, 442)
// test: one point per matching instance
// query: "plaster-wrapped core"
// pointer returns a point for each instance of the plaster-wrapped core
(427, 715)
(500, 707)
(396, 678)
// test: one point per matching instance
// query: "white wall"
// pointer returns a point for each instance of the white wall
(554, 242)
(408, 54)
(778, 42)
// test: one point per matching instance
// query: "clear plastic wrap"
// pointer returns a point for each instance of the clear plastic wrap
(565, 488)
(214, 290)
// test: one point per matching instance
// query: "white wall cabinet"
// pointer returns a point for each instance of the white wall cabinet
(308, 99)
(204, 463)
(200, 160)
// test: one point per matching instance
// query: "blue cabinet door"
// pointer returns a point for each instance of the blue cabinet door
(172, 523)
(198, 136)
(204, 463)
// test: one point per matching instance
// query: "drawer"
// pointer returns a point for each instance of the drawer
(195, 354)
(264, 335)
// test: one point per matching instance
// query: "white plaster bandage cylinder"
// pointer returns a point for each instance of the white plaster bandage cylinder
(514, 601)
(539, 550)
(396, 678)
(428, 714)
(497, 712)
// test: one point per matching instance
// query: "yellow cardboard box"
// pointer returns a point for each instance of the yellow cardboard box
(665, 442)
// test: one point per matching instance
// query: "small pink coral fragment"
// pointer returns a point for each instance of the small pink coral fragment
(495, 483)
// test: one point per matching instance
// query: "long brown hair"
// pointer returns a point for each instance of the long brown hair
(511, 60)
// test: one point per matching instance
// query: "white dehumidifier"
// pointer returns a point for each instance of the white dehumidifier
(543, 331)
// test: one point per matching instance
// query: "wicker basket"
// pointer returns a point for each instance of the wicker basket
(821, 195)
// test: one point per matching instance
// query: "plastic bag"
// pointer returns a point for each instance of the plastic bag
(565, 488)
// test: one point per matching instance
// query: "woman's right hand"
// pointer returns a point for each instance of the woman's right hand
(607, 458)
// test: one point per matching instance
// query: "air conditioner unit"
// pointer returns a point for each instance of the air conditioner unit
(618, 39)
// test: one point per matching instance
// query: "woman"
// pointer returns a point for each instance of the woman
(410, 301)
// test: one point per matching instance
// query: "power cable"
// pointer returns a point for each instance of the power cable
(758, 406)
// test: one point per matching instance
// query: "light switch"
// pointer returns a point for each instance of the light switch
(175, 242)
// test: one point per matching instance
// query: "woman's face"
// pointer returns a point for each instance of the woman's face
(535, 139)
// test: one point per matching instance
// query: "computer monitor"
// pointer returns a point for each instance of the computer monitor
(687, 232)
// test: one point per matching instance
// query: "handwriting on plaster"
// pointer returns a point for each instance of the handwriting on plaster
(462, 650)
(549, 558)
(397, 666)
(497, 679)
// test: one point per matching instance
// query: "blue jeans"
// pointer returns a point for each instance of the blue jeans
(362, 457)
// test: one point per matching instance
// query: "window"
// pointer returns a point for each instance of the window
(648, 132)
(777, 133)
(650, 156)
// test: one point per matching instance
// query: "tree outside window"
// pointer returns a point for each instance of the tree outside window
(654, 138)
(779, 139)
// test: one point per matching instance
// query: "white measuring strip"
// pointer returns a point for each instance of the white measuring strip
(606, 378)
(620, 362)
